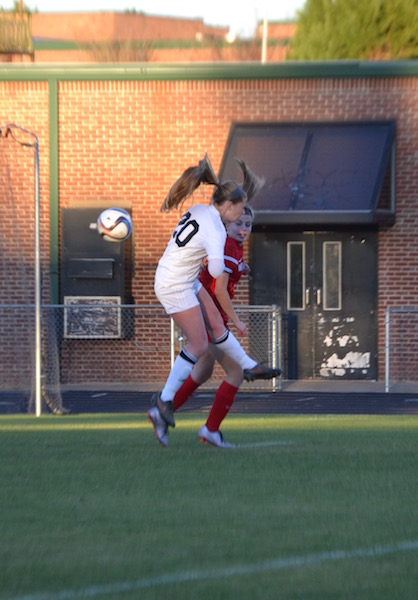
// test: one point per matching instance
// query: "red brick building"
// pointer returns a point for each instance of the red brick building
(104, 37)
(107, 26)
(123, 134)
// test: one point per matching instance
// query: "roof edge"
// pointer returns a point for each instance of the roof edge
(206, 71)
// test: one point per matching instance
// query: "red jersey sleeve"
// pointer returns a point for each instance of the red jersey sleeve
(234, 261)
(233, 258)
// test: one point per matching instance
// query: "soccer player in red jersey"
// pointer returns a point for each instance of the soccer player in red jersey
(222, 290)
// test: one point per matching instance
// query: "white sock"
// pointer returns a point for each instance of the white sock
(182, 368)
(232, 348)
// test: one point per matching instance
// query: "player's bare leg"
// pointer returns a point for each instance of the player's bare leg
(227, 343)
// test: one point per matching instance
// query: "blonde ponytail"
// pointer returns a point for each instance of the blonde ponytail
(188, 182)
(252, 184)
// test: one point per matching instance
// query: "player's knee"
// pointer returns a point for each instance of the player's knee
(200, 347)
(216, 326)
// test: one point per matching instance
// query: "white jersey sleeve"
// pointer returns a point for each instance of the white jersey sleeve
(216, 266)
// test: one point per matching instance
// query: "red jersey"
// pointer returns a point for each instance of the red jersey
(234, 264)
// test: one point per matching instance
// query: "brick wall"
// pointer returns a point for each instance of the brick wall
(129, 140)
(25, 104)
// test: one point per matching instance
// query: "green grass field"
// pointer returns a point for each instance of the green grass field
(306, 507)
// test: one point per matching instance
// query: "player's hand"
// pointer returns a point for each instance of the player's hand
(241, 327)
(246, 270)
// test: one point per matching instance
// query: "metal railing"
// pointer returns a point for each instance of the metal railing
(401, 346)
(113, 346)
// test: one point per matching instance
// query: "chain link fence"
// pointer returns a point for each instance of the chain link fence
(401, 346)
(107, 346)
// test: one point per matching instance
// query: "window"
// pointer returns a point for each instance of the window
(331, 272)
(296, 275)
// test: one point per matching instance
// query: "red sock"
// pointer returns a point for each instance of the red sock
(184, 392)
(224, 399)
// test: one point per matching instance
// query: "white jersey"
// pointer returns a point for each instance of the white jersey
(200, 233)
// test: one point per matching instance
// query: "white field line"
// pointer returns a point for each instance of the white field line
(232, 571)
(262, 444)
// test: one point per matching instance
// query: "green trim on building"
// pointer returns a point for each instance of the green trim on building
(208, 71)
(48, 44)
(57, 45)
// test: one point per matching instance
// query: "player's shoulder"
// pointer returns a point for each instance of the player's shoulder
(233, 248)
(201, 213)
(199, 209)
(196, 208)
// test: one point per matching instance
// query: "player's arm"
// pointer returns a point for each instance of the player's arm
(215, 245)
(215, 267)
(222, 295)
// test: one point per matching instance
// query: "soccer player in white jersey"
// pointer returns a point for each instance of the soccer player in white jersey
(222, 291)
(200, 233)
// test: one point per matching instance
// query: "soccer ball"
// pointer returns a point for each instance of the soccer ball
(114, 225)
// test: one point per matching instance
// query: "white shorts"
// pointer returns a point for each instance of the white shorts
(177, 300)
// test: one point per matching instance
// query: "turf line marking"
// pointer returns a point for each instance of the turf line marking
(234, 570)
(262, 444)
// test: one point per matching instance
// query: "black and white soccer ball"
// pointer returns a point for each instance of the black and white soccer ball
(114, 225)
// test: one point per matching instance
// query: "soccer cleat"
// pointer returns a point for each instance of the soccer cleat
(261, 372)
(160, 426)
(214, 438)
(165, 409)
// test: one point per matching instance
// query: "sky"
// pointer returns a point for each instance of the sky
(239, 16)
